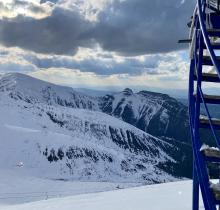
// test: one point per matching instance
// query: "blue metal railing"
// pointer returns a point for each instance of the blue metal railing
(216, 64)
(215, 4)
(202, 41)
(201, 15)
(209, 118)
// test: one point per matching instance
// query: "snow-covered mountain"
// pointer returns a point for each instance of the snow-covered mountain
(59, 133)
(155, 113)
(31, 90)
(78, 144)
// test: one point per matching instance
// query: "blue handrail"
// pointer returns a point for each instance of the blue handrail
(202, 41)
(201, 15)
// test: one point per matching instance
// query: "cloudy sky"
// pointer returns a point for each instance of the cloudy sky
(97, 44)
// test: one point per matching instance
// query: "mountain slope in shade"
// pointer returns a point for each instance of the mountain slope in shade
(66, 143)
(154, 113)
(159, 115)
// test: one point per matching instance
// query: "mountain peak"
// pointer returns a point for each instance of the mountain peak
(15, 76)
(127, 92)
(28, 84)
(23, 79)
(149, 93)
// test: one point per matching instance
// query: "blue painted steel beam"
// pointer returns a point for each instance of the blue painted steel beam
(215, 46)
(208, 62)
(208, 78)
(202, 26)
(194, 112)
(207, 126)
(212, 159)
(208, 100)
(196, 77)
(214, 33)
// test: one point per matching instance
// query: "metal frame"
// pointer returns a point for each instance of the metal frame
(215, 4)
(200, 35)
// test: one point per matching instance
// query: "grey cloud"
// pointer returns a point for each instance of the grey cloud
(99, 66)
(131, 27)
(134, 27)
(20, 3)
(3, 53)
(32, 7)
(3, 7)
(16, 67)
(61, 33)
(15, 4)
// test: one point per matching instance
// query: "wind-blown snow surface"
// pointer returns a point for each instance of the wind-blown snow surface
(155, 113)
(55, 139)
(18, 187)
(82, 148)
(170, 196)
(78, 144)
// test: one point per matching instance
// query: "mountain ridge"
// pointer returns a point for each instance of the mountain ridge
(147, 111)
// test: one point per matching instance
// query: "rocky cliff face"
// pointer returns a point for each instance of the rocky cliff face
(152, 137)
(155, 113)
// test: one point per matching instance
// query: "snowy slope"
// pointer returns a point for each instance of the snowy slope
(71, 131)
(155, 113)
(56, 142)
(170, 196)
(32, 90)
(159, 115)
(17, 187)
(77, 144)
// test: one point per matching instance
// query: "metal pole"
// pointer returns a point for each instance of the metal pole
(195, 188)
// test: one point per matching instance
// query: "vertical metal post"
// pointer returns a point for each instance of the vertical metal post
(219, 183)
(195, 188)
